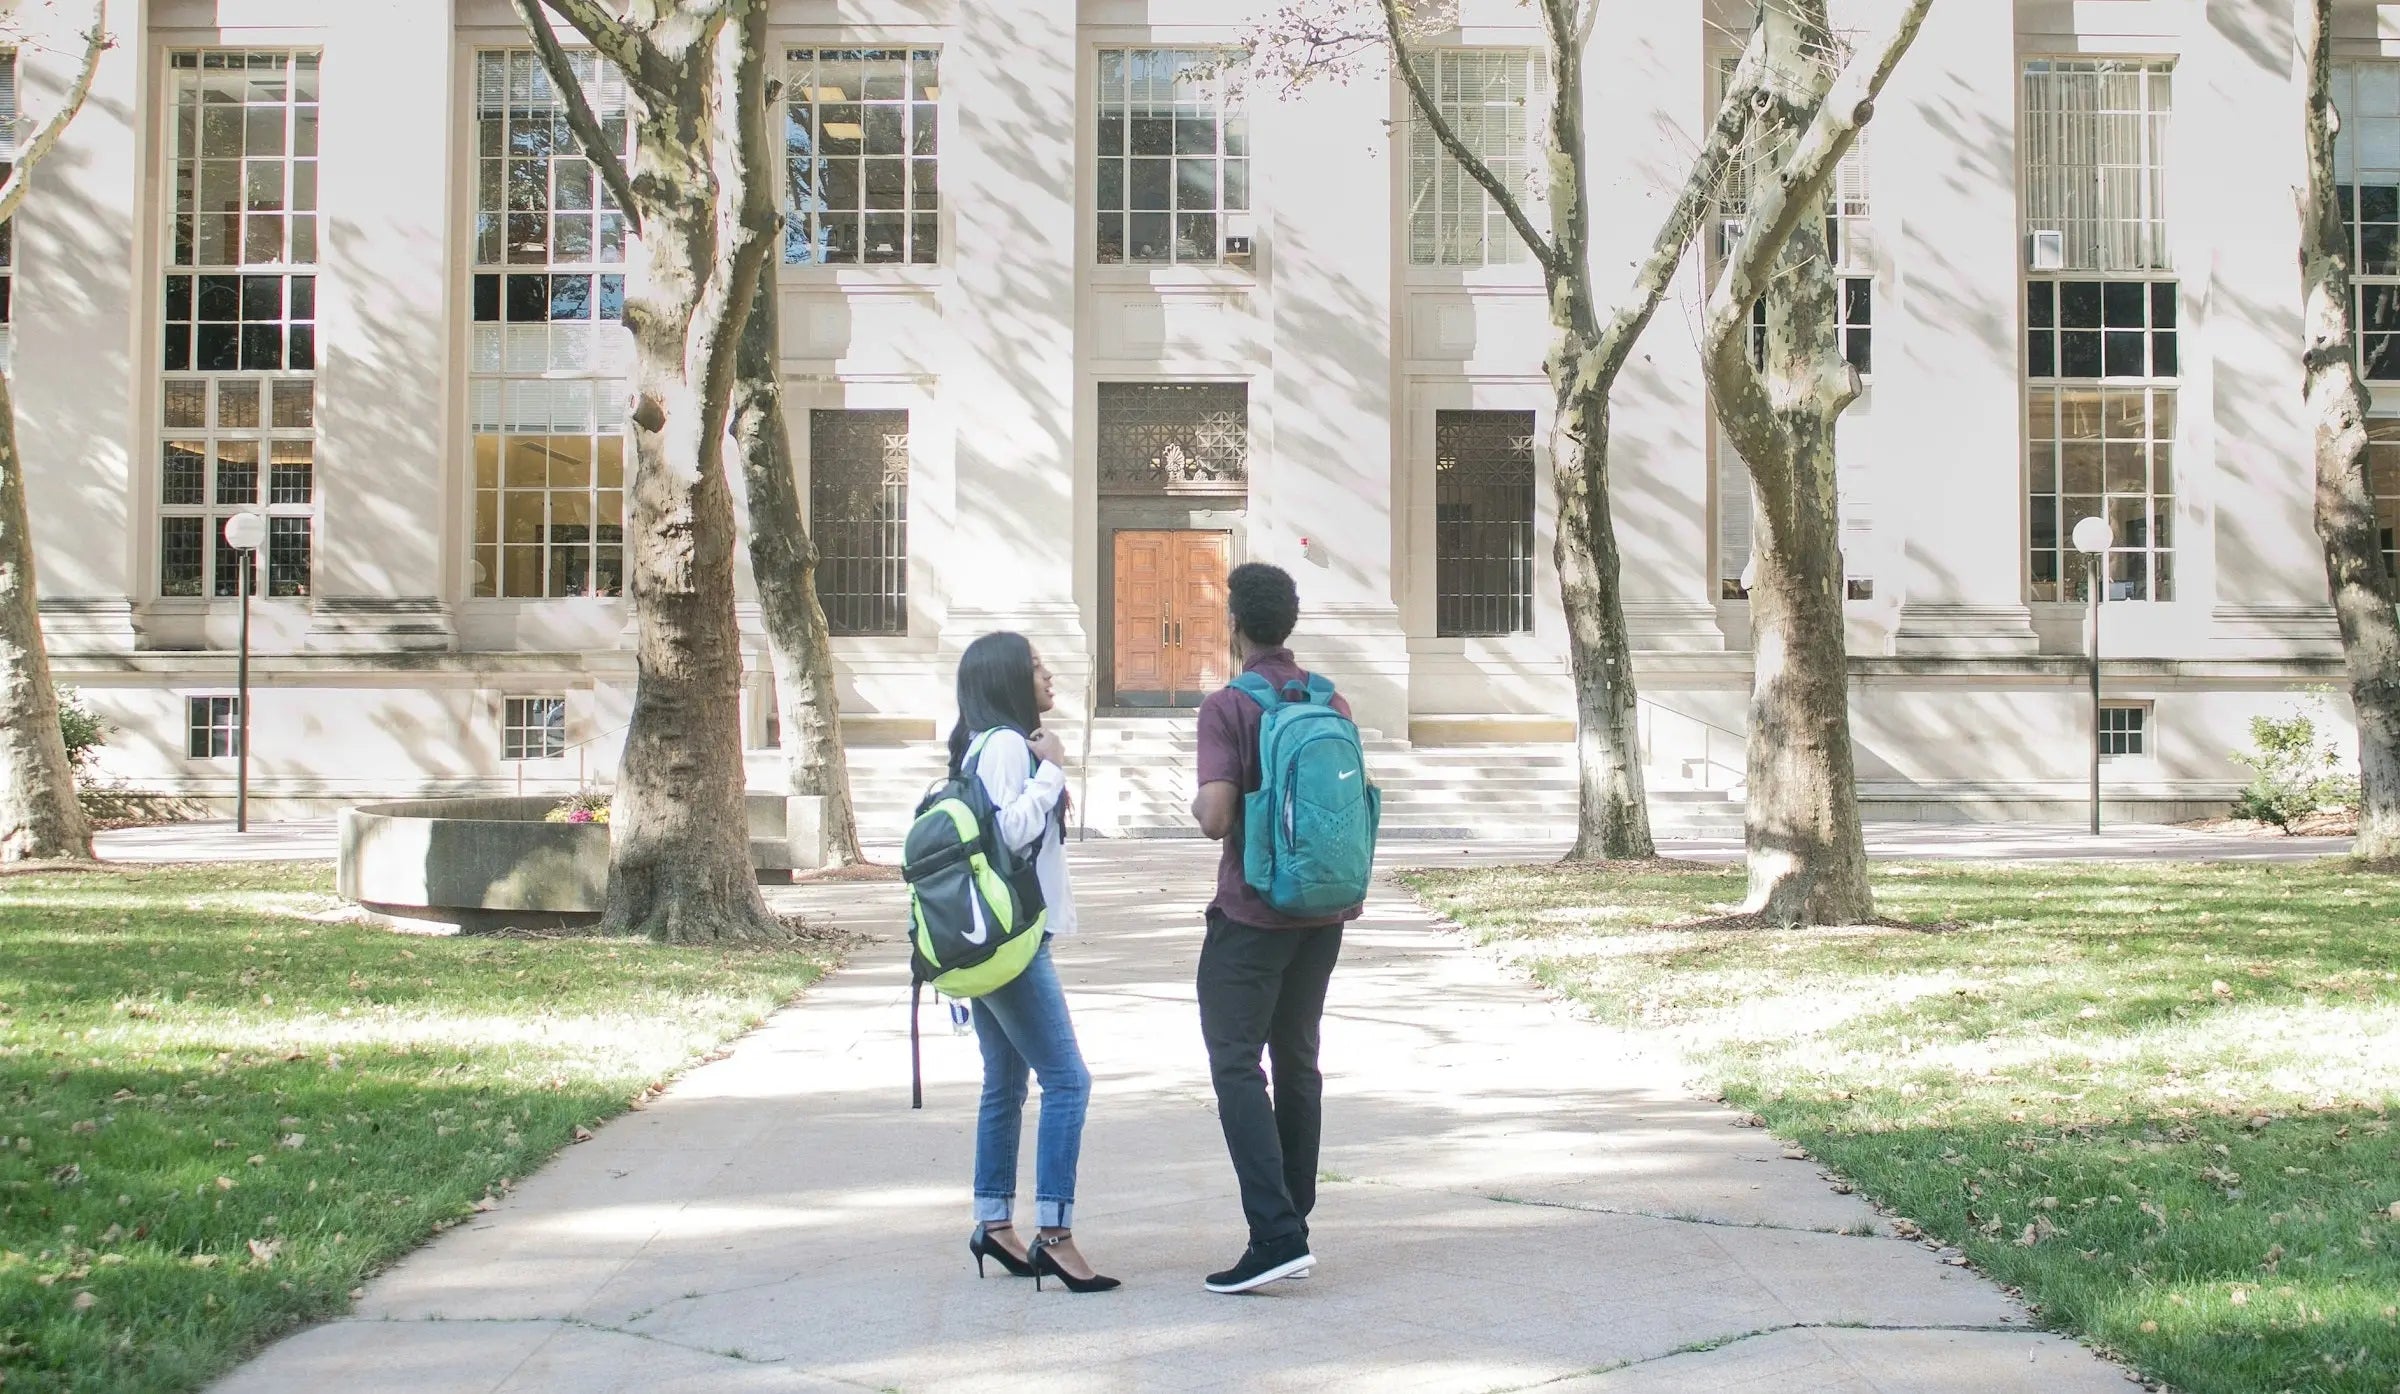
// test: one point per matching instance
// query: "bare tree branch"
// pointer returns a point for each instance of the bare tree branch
(602, 30)
(1468, 160)
(1700, 190)
(589, 133)
(95, 42)
(745, 227)
(1793, 191)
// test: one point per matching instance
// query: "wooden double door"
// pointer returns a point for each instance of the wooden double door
(1173, 640)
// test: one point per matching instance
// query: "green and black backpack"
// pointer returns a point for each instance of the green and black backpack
(975, 912)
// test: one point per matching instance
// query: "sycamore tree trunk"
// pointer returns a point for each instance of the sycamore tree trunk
(700, 188)
(40, 819)
(1807, 853)
(783, 562)
(1612, 807)
(2361, 586)
(1807, 857)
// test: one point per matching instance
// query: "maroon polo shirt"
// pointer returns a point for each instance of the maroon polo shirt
(1229, 723)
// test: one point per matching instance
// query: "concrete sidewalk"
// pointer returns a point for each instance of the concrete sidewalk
(1514, 1198)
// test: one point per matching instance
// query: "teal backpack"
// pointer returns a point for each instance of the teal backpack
(975, 912)
(1308, 831)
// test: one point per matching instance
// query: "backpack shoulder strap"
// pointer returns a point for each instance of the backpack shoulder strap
(1320, 690)
(1257, 689)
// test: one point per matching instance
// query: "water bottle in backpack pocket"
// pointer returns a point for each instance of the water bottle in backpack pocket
(975, 912)
(1308, 831)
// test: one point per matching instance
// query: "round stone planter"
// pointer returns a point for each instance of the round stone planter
(490, 864)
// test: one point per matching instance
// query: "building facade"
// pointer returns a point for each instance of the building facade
(1074, 317)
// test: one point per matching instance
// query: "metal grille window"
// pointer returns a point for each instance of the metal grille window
(533, 728)
(2095, 142)
(2124, 732)
(860, 141)
(213, 727)
(858, 510)
(1174, 437)
(548, 350)
(1483, 520)
(1174, 151)
(1492, 99)
(2366, 161)
(239, 354)
(2383, 481)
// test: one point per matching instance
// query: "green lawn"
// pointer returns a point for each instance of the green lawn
(2159, 1099)
(221, 1108)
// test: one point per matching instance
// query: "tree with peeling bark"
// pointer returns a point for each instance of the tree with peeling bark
(1778, 402)
(2362, 586)
(1590, 339)
(698, 193)
(39, 816)
(783, 563)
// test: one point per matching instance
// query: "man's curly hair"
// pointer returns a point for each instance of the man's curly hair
(1264, 602)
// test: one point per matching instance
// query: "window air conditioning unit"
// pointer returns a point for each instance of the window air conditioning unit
(2046, 250)
(1237, 238)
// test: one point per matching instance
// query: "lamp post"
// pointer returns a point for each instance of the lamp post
(244, 532)
(2092, 538)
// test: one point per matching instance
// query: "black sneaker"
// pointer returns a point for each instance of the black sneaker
(1262, 1264)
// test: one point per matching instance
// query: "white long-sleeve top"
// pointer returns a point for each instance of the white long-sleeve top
(1025, 805)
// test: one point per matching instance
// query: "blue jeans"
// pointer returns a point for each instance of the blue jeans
(1025, 1024)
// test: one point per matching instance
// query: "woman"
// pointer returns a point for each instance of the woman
(1002, 691)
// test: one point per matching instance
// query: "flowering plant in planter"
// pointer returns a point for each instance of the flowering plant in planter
(584, 806)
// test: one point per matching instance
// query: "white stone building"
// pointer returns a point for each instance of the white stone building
(1067, 333)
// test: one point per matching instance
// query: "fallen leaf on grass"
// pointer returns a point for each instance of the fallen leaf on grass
(84, 1302)
(204, 1260)
(294, 1141)
(582, 1133)
(264, 1253)
(224, 1183)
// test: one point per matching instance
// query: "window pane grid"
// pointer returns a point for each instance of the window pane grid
(1492, 99)
(239, 350)
(861, 138)
(2095, 137)
(548, 352)
(2383, 484)
(1174, 155)
(2124, 732)
(2101, 452)
(533, 728)
(1483, 482)
(858, 513)
(213, 727)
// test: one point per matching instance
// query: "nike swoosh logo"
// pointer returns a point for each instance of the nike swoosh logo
(983, 931)
(1347, 773)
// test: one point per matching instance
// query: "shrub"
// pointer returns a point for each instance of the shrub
(81, 728)
(583, 806)
(2294, 771)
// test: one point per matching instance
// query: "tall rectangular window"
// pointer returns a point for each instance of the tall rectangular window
(2102, 341)
(2095, 138)
(2383, 480)
(239, 356)
(533, 728)
(1492, 100)
(861, 144)
(858, 512)
(2366, 161)
(548, 352)
(1483, 521)
(1174, 152)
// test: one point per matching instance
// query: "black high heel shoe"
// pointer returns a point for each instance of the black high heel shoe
(1046, 1266)
(981, 1246)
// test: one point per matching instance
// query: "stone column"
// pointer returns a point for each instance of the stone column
(1949, 394)
(2235, 156)
(1011, 118)
(1648, 96)
(385, 302)
(1329, 474)
(84, 353)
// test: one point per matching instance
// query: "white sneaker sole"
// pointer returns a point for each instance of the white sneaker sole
(1259, 1280)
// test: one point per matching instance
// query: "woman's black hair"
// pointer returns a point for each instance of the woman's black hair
(1264, 602)
(995, 688)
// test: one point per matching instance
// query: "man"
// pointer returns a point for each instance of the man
(1262, 974)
